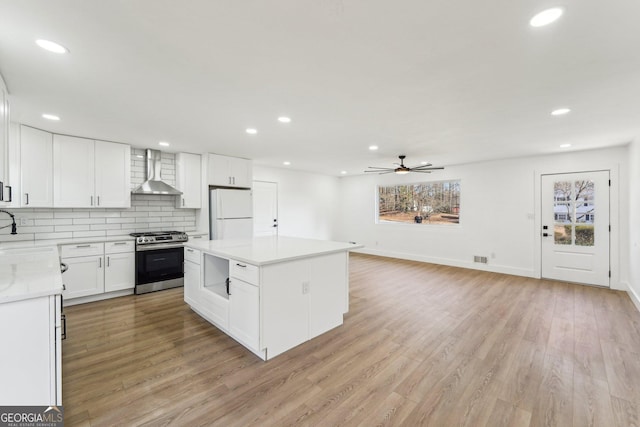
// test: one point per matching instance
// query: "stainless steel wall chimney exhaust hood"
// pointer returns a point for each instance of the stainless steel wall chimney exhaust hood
(154, 183)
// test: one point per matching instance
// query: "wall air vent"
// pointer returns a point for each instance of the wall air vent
(480, 259)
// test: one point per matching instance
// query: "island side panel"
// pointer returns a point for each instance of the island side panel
(327, 283)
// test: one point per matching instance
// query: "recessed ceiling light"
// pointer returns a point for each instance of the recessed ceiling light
(163, 143)
(284, 119)
(565, 145)
(251, 131)
(286, 163)
(343, 172)
(51, 46)
(373, 147)
(546, 17)
(51, 117)
(560, 111)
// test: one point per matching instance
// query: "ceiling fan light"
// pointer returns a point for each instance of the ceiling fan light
(400, 171)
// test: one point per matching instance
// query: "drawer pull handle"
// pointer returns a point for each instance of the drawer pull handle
(241, 265)
(120, 243)
(189, 250)
(83, 246)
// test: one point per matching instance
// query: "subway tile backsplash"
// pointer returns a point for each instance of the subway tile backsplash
(147, 213)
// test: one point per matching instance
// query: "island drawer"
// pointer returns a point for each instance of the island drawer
(243, 271)
(192, 255)
(86, 249)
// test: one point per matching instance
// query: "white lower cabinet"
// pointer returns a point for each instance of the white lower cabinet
(191, 275)
(244, 313)
(271, 308)
(31, 357)
(84, 277)
(97, 268)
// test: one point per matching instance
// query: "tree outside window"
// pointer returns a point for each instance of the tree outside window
(420, 203)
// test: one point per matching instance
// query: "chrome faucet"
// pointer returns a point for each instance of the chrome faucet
(13, 222)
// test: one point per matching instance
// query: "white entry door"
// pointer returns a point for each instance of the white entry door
(265, 208)
(575, 227)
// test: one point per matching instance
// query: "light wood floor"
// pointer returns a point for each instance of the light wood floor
(421, 345)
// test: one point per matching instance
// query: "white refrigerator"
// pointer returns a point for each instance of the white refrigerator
(230, 214)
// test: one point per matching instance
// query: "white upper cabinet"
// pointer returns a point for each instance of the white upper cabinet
(73, 172)
(36, 168)
(112, 175)
(224, 171)
(189, 180)
(88, 173)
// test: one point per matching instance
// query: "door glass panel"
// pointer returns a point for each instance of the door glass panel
(574, 212)
(562, 234)
(584, 235)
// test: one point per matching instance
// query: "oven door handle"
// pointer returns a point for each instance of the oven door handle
(154, 247)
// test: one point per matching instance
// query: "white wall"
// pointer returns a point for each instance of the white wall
(634, 221)
(306, 202)
(499, 214)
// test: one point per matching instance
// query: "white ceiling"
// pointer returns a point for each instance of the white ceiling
(440, 80)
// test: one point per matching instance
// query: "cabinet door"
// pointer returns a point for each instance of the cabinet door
(36, 168)
(327, 282)
(4, 138)
(189, 180)
(218, 171)
(85, 276)
(244, 313)
(73, 172)
(241, 172)
(285, 306)
(119, 272)
(25, 359)
(112, 175)
(191, 282)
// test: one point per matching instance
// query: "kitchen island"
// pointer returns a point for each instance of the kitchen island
(31, 333)
(269, 293)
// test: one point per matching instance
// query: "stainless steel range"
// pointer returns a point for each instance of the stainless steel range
(159, 260)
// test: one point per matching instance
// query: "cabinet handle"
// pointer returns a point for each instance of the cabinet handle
(189, 250)
(63, 268)
(1, 191)
(100, 262)
(83, 246)
(91, 200)
(234, 180)
(241, 265)
(197, 237)
(120, 243)
(63, 318)
(27, 197)
(183, 201)
(108, 261)
(98, 200)
(10, 193)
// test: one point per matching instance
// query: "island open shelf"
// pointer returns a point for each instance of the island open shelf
(283, 291)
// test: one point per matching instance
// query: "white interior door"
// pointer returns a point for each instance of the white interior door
(265, 208)
(575, 227)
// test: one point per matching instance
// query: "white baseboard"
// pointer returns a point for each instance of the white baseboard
(452, 262)
(634, 297)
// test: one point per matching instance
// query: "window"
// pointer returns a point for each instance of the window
(421, 203)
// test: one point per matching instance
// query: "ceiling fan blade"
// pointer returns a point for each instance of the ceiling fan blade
(382, 173)
(380, 170)
(422, 166)
(425, 171)
(378, 167)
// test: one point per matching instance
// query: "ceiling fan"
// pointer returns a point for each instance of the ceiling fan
(402, 169)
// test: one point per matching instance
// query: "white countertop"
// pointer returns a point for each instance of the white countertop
(54, 242)
(269, 250)
(29, 273)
